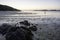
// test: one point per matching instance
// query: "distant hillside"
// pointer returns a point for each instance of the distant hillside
(7, 8)
(47, 10)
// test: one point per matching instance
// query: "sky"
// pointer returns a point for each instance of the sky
(32, 4)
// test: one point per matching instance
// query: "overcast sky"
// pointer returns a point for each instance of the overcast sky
(32, 4)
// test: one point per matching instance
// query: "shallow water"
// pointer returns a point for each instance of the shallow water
(48, 22)
(14, 16)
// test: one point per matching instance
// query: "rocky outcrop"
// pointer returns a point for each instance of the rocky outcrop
(18, 32)
(3, 28)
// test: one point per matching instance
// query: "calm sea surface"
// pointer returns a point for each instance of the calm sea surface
(15, 16)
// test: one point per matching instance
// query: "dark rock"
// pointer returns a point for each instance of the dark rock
(33, 28)
(12, 29)
(28, 33)
(20, 33)
(28, 25)
(15, 34)
(25, 22)
(4, 27)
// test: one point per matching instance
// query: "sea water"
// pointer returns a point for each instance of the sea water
(48, 22)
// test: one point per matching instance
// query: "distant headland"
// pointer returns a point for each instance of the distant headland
(47, 10)
(7, 8)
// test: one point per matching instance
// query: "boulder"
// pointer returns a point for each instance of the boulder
(4, 27)
(23, 23)
(18, 32)
(33, 28)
